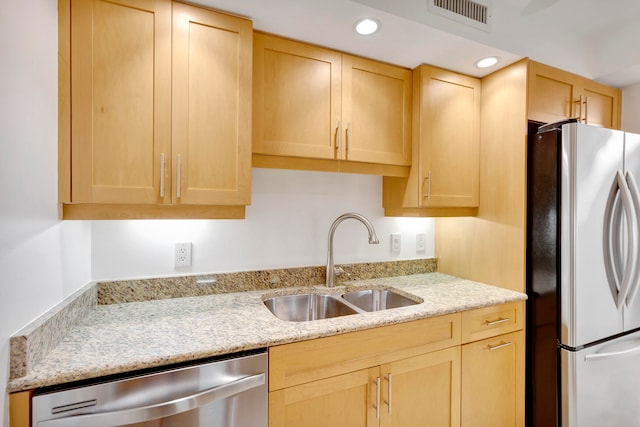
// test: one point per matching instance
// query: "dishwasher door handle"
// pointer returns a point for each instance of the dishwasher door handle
(159, 410)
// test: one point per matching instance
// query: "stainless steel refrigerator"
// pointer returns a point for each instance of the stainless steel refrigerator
(583, 277)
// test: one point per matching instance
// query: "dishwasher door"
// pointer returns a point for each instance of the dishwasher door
(223, 393)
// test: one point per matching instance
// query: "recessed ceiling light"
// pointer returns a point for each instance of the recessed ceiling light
(487, 62)
(366, 26)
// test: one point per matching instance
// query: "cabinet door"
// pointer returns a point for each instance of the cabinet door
(449, 139)
(493, 382)
(296, 100)
(553, 95)
(601, 105)
(211, 84)
(121, 99)
(343, 400)
(422, 390)
(376, 112)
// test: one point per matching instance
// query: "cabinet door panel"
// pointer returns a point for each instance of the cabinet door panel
(120, 99)
(552, 95)
(449, 160)
(296, 98)
(600, 109)
(493, 382)
(211, 101)
(376, 112)
(423, 390)
(344, 400)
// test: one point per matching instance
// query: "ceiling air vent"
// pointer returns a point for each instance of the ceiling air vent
(465, 11)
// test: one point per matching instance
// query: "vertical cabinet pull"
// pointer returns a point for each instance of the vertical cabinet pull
(338, 136)
(161, 174)
(428, 179)
(389, 389)
(377, 406)
(179, 175)
(347, 136)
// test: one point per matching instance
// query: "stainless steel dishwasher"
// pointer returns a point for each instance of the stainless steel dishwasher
(222, 393)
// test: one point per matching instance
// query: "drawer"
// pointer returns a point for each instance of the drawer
(491, 321)
(311, 360)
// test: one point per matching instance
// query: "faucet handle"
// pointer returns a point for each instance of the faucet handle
(338, 271)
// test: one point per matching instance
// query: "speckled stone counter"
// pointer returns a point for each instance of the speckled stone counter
(118, 338)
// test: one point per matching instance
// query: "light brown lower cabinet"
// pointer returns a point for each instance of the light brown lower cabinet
(420, 390)
(493, 382)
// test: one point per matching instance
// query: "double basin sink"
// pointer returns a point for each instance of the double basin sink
(314, 306)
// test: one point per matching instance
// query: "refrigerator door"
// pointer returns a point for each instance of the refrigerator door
(632, 174)
(599, 384)
(591, 161)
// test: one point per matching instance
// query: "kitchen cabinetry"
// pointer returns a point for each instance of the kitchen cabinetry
(556, 95)
(493, 366)
(446, 144)
(390, 376)
(160, 111)
(312, 103)
(20, 409)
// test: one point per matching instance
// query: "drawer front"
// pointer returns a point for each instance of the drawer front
(305, 361)
(492, 321)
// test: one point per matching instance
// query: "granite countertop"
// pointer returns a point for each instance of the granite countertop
(118, 338)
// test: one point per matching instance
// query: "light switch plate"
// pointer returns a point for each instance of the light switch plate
(420, 242)
(396, 242)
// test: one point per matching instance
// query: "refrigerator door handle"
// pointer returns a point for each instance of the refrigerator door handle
(632, 349)
(634, 237)
(611, 237)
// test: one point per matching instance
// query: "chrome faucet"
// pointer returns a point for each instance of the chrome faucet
(373, 240)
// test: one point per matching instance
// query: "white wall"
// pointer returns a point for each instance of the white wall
(631, 108)
(286, 226)
(41, 259)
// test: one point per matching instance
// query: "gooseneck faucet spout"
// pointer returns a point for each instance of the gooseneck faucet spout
(373, 240)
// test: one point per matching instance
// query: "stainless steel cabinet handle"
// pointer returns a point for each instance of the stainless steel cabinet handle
(498, 321)
(179, 176)
(338, 136)
(389, 391)
(159, 410)
(377, 381)
(428, 179)
(499, 346)
(347, 136)
(579, 102)
(161, 174)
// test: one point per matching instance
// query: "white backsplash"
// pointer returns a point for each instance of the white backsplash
(285, 226)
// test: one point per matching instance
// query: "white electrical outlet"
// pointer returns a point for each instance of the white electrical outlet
(420, 242)
(183, 254)
(396, 242)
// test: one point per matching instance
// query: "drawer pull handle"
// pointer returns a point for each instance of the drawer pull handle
(497, 322)
(499, 346)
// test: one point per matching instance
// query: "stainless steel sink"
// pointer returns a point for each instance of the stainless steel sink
(377, 299)
(305, 307)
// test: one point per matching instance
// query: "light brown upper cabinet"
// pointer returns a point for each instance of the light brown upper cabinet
(315, 103)
(556, 95)
(160, 111)
(446, 144)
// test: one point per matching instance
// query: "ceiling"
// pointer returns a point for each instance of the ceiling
(594, 38)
